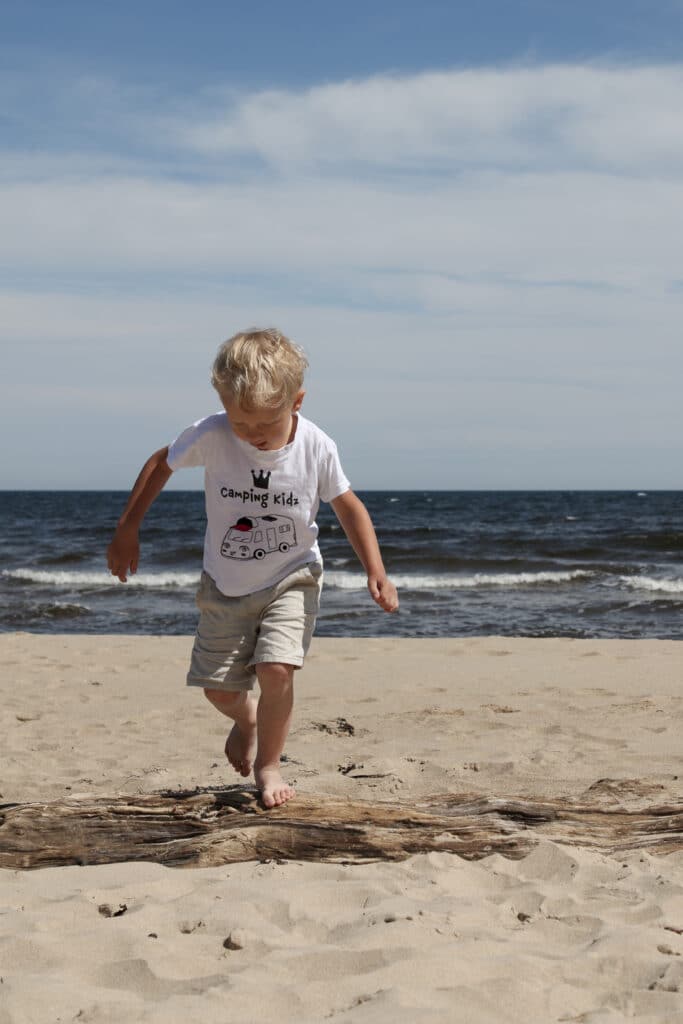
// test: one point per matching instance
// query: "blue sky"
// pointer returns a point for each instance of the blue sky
(469, 215)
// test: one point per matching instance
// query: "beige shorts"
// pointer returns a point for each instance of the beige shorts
(236, 633)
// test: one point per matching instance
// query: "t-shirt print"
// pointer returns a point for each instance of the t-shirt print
(256, 537)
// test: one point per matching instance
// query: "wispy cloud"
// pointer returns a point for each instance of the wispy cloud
(570, 229)
(558, 174)
(476, 233)
(623, 119)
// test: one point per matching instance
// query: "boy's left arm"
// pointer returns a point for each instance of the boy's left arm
(357, 525)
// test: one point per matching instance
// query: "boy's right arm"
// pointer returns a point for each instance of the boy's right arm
(123, 554)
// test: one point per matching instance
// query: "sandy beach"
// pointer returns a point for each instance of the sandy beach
(567, 933)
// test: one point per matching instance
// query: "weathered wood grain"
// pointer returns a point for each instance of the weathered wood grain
(222, 826)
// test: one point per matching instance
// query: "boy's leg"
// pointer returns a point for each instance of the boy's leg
(258, 736)
(283, 618)
(285, 632)
(273, 718)
(240, 746)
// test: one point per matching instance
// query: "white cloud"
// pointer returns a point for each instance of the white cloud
(479, 261)
(571, 228)
(625, 118)
(552, 174)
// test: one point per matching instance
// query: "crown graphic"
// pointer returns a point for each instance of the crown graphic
(261, 479)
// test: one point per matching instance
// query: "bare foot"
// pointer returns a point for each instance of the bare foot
(274, 791)
(240, 748)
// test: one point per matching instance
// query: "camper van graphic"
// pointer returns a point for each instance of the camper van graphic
(257, 536)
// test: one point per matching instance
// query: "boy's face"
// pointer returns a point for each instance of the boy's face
(267, 428)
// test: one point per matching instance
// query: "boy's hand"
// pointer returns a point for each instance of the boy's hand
(383, 592)
(123, 554)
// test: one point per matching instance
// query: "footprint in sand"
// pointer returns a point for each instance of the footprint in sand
(188, 927)
(135, 975)
(338, 728)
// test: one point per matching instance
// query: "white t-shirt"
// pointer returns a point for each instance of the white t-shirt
(260, 506)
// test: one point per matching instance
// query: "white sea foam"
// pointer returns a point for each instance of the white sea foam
(656, 586)
(77, 580)
(450, 581)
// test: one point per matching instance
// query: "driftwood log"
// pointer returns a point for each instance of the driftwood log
(221, 826)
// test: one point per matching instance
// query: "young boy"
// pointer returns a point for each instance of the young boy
(266, 470)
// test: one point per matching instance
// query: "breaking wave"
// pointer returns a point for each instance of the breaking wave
(655, 586)
(62, 580)
(408, 581)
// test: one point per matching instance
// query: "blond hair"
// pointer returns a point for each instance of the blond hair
(259, 368)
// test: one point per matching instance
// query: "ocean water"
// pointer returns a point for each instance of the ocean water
(468, 563)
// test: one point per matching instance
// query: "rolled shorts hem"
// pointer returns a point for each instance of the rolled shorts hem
(275, 658)
(231, 687)
(235, 685)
